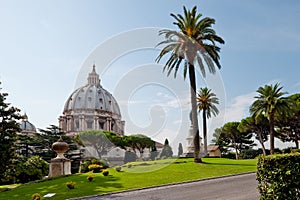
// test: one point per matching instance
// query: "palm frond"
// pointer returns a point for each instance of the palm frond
(201, 65)
(185, 69)
(195, 43)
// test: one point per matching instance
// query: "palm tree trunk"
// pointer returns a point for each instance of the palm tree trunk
(271, 133)
(192, 77)
(204, 131)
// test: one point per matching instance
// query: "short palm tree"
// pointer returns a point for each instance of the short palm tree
(207, 101)
(271, 103)
(195, 42)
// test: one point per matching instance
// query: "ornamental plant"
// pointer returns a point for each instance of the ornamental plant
(105, 172)
(96, 168)
(118, 168)
(70, 184)
(36, 196)
(90, 178)
(84, 167)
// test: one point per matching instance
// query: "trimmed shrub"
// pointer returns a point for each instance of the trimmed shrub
(90, 178)
(279, 176)
(118, 168)
(96, 168)
(105, 172)
(84, 167)
(70, 184)
(36, 196)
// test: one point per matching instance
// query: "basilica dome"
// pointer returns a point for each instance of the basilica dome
(92, 97)
(91, 107)
(26, 126)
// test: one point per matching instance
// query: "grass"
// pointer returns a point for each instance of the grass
(141, 174)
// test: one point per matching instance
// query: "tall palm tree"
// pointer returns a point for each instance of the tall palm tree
(195, 42)
(207, 101)
(271, 103)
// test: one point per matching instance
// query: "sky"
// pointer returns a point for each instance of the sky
(48, 47)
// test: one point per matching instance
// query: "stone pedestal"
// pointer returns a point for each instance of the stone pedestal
(60, 165)
(189, 152)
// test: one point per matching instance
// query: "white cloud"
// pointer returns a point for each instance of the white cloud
(236, 110)
(239, 108)
(177, 121)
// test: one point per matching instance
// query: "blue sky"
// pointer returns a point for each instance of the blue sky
(47, 47)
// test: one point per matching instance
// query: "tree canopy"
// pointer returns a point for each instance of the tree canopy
(259, 126)
(9, 127)
(270, 101)
(289, 129)
(230, 137)
(97, 139)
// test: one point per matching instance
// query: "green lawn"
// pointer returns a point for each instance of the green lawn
(142, 174)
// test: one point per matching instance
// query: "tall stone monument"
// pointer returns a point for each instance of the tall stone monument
(60, 165)
(189, 152)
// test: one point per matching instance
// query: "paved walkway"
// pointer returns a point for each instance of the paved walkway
(237, 187)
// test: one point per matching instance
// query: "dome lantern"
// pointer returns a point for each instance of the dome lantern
(93, 78)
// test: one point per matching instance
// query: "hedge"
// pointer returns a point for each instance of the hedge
(278, 176)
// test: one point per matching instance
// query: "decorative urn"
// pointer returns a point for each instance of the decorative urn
(60, 147)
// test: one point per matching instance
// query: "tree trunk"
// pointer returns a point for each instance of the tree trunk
(271, 133)
(236, 151)
(192, 77)
(296, 141)
(262, 143)
(99, 153)
(204, 132)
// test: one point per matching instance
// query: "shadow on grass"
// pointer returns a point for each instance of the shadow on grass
(227, 164)
(100, 184)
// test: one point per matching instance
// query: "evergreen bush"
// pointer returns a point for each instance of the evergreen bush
(84, 167)
(279, 176)
(31, 169)
(166, 152)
